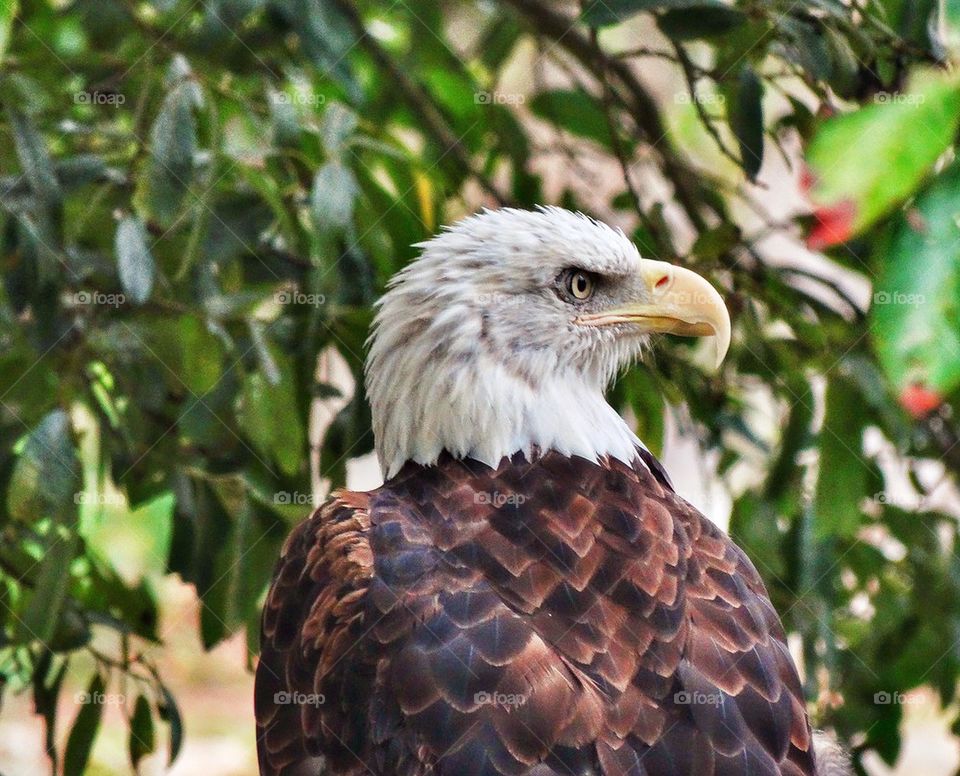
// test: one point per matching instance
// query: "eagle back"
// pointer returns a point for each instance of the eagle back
(552, 616)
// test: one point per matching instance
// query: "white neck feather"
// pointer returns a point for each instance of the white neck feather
(479, 409)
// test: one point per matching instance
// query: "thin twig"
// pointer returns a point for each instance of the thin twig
(620, 153)
(691, 77)
(641, 106)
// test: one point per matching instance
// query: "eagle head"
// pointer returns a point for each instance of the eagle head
(504, 334)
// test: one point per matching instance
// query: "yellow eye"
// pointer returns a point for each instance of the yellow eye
(580, 285)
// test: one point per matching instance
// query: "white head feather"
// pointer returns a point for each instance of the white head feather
(475, 351)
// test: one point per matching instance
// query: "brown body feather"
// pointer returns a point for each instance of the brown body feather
(553, 617)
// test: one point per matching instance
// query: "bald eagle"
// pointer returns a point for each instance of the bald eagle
(525, 593)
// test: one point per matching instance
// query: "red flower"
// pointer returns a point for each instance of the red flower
(919, 400)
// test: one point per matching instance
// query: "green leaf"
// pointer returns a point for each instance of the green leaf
(708, 20)
(715, 242)
(135, 262)
(638, 390)
(862, 168)
(844, 65)
(843, 477)
(173, 145)
(44, 606)
(269, 416)
(746, 120)
(141, 742)
(170, 713)
(498, 40)
(803, 42)
(574, 111)
(916, 305)
(339, 123)
(332, 197)
(47, 680)
(44, 478)
(795, 436)
(246, 562)
(202, 355)
(187, 350)
(34, 158)
(326, 37)
(599, 13)
(85, 727)
(8, 13)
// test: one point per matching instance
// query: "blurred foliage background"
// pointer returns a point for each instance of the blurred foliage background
(200, 198)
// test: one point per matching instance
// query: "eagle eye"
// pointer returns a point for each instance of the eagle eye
(579, 284)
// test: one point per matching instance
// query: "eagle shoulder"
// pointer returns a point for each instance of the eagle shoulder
(311, 638)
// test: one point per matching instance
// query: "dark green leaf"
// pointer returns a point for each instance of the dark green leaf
(498, 40)
(714, 243)
(44, 479)
(576, 112)
(599, 13)
(268, 416)
(796, 435)
(843, 478)
(43, 607)
(85, 726)
(707, 21)
(746, 120)
(173, 144)
(141, 742)
(36, 162)
(170, 713)
(48, 675)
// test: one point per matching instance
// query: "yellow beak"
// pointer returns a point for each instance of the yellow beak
(677, 301)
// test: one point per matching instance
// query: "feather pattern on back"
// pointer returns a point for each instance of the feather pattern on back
(553, 616)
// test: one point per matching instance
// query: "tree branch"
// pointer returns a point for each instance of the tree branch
(618, 150)
(561, 29)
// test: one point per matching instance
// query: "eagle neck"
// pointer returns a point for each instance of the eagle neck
(481, 410)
